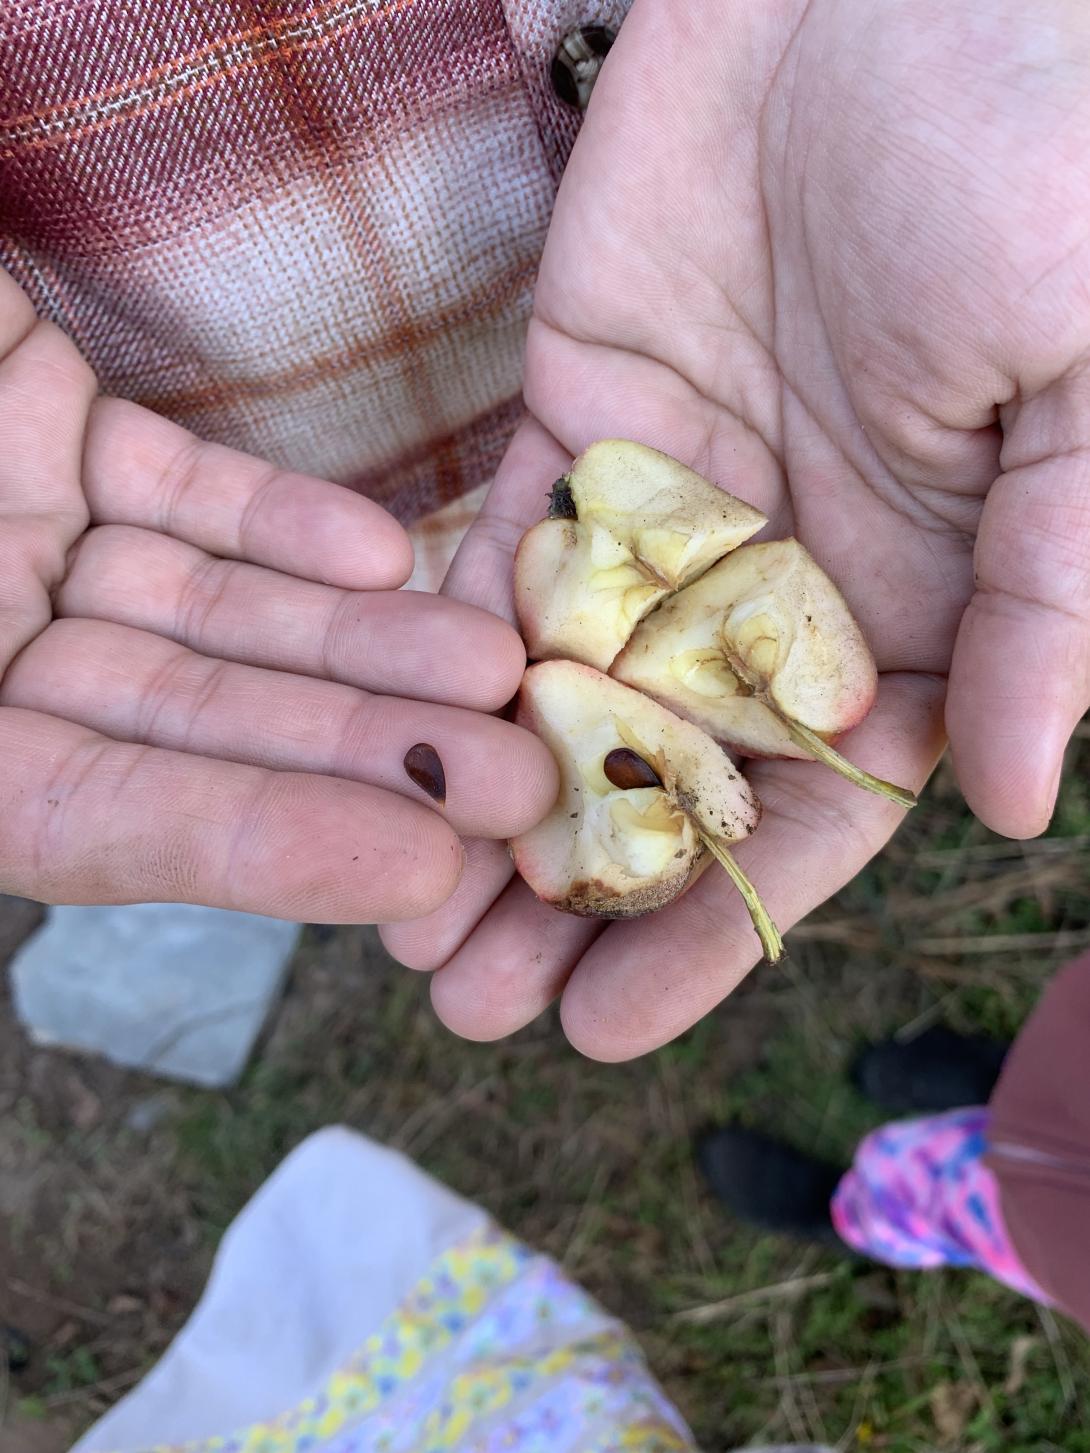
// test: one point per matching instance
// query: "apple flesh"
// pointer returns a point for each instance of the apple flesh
(644, 798)
(762, 653)
(766, 614)
(622, 838)
(662, 637)
(628, 527)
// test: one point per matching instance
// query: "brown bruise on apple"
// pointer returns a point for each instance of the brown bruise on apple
(619, 851)
(764, 635)
(635, 526)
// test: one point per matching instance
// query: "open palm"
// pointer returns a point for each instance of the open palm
(209, 681)
(834, 257)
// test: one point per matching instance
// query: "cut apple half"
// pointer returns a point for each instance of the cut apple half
(644, 796)
(762, 653)
(626, 528)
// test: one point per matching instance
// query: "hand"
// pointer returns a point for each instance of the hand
(209, 681)
(835, 257)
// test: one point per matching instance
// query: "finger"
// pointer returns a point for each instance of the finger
(648, 980)
(140, 469)
(46, 390)
(512, 967)
(471, 999)
(405, 643)
(481, 571)
(137, 687)
(427, 943)
(87, 820)
(1020, 677)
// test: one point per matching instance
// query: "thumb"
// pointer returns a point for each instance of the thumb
(481, 572)
(1020, 675)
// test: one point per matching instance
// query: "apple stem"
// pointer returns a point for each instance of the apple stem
(561, 500)
(821, 749)
(818, 748)
(767, 931)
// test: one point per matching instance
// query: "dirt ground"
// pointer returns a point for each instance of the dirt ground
(120, 1264)
(114, 1187)
(104, 1245)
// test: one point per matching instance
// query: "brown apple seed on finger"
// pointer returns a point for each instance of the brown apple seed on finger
(422, 766)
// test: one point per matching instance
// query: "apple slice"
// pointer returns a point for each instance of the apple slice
(763, 653)
(627, 527)
(642, 795)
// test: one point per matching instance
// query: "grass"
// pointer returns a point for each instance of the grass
(67, 1372)
(592, 1163)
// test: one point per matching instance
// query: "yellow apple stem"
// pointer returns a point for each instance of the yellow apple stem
(818, 748)
(812, 743)
(767, 931)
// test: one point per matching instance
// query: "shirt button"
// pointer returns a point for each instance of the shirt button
(577, 63)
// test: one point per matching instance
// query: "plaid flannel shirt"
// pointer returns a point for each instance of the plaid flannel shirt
(306, 230)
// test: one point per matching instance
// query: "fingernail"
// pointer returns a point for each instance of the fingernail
(423, 766)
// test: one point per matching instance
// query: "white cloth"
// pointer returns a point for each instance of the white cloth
(315, 1262)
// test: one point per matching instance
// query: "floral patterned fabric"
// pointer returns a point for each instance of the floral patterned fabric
(493, 1351)
(920, 1195)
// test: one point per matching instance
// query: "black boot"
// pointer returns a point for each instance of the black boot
(14, 1347)
(938, 1070)
(769, 1185)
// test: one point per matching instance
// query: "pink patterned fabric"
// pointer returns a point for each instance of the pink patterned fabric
(919, 1195)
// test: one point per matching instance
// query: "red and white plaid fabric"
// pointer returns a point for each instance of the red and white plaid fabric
(309, 231)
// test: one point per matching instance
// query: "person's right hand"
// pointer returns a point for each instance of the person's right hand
(209, 681)
(835, 257)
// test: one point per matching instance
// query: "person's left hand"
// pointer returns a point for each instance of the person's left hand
(834, 257)
(209, 680)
